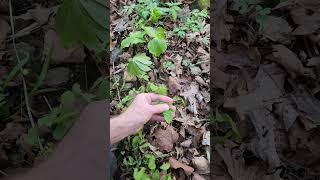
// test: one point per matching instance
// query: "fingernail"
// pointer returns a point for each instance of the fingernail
(167, 107)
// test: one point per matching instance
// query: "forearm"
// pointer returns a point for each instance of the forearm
(117, 129)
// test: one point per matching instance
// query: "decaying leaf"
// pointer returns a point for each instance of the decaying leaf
(277, 29)
(201, 165)
(165, 138)
(176, 164)
(61, 54)
(190, 96)
(289, 60)
(221, 30)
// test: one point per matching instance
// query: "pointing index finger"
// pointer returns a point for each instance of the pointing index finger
(165, 99)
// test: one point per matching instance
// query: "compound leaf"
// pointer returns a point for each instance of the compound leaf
(157, 46)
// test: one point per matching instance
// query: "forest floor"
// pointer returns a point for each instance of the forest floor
(180, 70)
(265, 73)
(57, 82)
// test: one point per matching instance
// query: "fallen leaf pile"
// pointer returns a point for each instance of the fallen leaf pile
(269, 80)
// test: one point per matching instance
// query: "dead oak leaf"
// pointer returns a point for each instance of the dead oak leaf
(289, 60)
(165, 138)
(277, 29)
(221, 30)
(190, 96)
(176, 164)
(60, 54)
(201, 165)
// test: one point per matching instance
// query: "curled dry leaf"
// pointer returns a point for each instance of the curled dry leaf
(165, 138)
(288, 60)
(308, 23)
(60, 54)
(277, 29)
(186, 143)
(220, 29)
(190, 96)
(4, 30)
(201, 165)
(57, 76)
(176, 164)
(173, 85)
(197, 177)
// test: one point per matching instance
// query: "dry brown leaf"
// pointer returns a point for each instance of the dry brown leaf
(190, 96)
(186, 143)
(57, 76)
(220, 29)
(176, 164)
(288, 60)
(201, 165)
(314, 61)
(165, 138)
(308, 23)
(197, 177)
(60, 54)
(277, 29)
(173, 86)
(4, 30)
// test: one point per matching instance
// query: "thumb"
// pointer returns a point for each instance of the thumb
(159, 108)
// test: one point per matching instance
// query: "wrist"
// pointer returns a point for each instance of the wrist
(117, 128)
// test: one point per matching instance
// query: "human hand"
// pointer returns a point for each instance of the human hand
(144, 107)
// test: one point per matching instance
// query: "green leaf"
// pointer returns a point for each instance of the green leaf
(96, 10)
(162, 90)
(155, 15)
(150, 31)
(152, 163)
(157, 46)
(156, 174)
(43, 72)
(140, 174)
(80, 21)
(133, 38)
(49, 119)
(15, 70)
(139, 64)
(165, 166)
(59, 132)
(32, 136)
(168, 116)
(67, 100)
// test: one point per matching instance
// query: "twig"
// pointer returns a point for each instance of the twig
(2, 172)
(23, 80)
(86, 76)
(46, 100)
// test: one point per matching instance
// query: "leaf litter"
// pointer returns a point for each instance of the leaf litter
(184, 60)
(266, 79)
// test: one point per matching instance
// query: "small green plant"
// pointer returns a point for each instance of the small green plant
(158, 44)
(138, 160)
(168, 116)
(83, 21)
(168, 65)
(233, 133)
(162, 90)
(192, 23)
(139, 65)
(133, 38)
(247, 7)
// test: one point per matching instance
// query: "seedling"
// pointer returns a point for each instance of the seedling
(168, 65)
(133, 38)
(139, 65)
